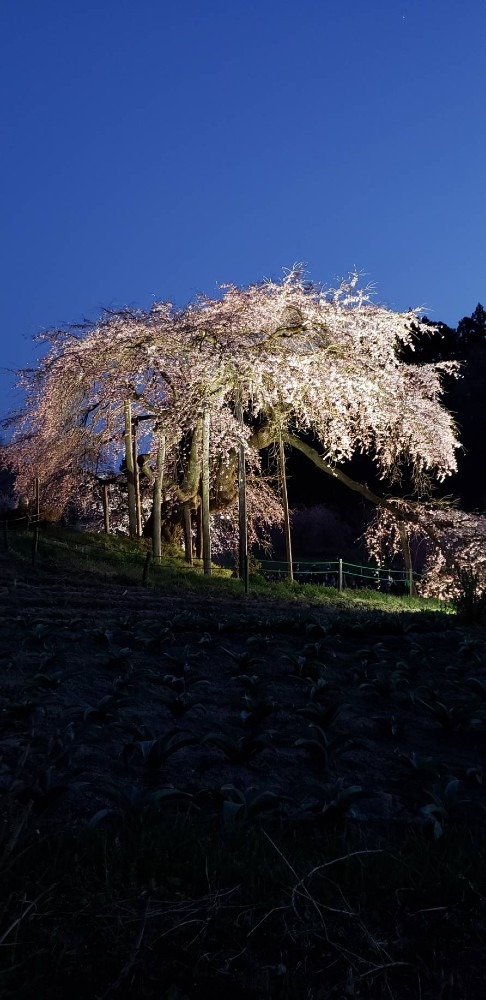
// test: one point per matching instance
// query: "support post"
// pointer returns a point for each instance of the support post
(146, 567)
(206, 529)
(35, 542)
(407, 559)
(158, 482)
(340, 576)
(106, 508)
(136, 482)
(187, 526)
(132, 504)
(199, 529)
(36, 499)
(243, 561)
(288, 538)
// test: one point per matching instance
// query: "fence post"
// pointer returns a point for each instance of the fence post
(34, 543)
(148, 560)
(410, 582)
(340, 575)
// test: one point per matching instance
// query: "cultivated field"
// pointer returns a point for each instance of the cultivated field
(207, 794)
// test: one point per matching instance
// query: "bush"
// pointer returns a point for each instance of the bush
(469, 599)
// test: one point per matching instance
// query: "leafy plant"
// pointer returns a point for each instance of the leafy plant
(20, 709)
(154, 752)
(43, 791)
(131, 804)
(303, 666)
(239, 751)
(385, 683)
(388, 726)
(446, 801)
(243, 805)
(179, 703)
(450, 717)
(244, 660)
(334, 800)
(320, 746)
(469, 599)
(420, 764)
(321, 714)
(103, 711)
(256, 709)
(478, 686)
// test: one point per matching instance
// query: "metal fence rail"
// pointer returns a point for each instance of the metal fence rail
(340, 574)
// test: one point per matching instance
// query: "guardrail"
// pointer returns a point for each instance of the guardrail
(340, 574)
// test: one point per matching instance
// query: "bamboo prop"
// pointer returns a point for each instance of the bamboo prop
(106, 508)
(158, 483)
(132, 503)
(146, 568)
(283, 483)
(199, 529)
(187, 526)
(35, 542)
(407, 559)
(243, 562)
(136, 483)
(206, 527)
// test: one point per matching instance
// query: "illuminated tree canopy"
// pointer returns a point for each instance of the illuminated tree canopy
(318, 369)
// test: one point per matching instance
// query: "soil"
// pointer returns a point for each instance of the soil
(86, 666)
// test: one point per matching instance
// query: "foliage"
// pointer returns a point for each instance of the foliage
(301, 360)
(469, 599)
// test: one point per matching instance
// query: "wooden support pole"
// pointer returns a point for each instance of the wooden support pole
(206, 528)
(35, 542)
(199, 529)
(187, 526)
(407, 559)
(106, 508)
(283, 483)
(146, 567)
(158, 483)
(36, 499)
(136, 482)
(132, 504)
(243, 562)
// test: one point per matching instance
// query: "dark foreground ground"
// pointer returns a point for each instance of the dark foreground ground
(209, 796)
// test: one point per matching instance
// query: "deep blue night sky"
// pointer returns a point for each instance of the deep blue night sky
(154, 149)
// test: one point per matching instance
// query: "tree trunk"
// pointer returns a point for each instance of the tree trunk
(243, 565)
(190, 484)
(283, 482)
(158, 482)
(206, 530)
(132, 502)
